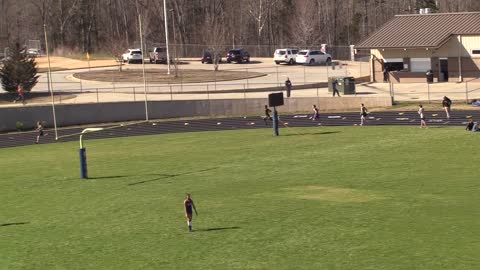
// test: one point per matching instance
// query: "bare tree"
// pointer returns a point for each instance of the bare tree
(303, 30)
(89, 24)
(259, 9)
(116, 48)
(214, 30)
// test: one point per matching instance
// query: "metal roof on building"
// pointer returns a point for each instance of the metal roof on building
(422, 30)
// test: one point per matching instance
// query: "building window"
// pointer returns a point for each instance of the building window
(393, 64)
(420, 64)
(476, 51)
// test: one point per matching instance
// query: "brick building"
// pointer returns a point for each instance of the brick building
(410, 45)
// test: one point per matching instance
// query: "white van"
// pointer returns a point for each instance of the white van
(287, 56)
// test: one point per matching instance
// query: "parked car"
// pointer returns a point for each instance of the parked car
(132, 55)
(312, 57)
(238, 55)
(287, 56)
(158, 55)
(208, 58)
(33, 53)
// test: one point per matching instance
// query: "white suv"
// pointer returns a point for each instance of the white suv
(132, 55)
(312, 57)
(285, 56)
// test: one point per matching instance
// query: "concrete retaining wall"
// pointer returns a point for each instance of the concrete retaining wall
(92, 113)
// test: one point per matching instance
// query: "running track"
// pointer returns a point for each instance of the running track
(437, 118)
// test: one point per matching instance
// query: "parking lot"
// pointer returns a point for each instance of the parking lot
(69, 89)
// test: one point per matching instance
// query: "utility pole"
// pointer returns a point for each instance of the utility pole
(143, 66)
(166, 34)
(49, 80)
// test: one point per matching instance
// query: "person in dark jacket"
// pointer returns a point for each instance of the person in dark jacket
(446, 104)
(288, 86)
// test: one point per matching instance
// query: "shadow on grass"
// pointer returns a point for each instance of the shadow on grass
(13, 224)
(166, 176)
(108, 177)
(314, 133)
(217, 229)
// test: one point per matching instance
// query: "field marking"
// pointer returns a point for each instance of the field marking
(333, 194)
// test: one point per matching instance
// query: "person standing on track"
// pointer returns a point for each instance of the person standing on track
(316, 114)
(188, 205)
(267, 116)
(40, 131)
(288, 86)
(335, 88)
(363, 114)
(421, 112)
(446, 104)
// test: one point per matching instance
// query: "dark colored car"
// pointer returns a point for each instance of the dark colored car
(208, 57)
(238, 55)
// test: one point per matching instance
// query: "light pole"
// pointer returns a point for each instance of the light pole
(166, 34)
(143, 66)
(49, 81)
(175, 56)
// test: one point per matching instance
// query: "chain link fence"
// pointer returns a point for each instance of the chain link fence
(196, 50)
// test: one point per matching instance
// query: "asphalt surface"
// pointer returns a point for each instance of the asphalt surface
(434, 118)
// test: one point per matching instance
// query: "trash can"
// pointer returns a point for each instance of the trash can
(429, 76)
(344, 84)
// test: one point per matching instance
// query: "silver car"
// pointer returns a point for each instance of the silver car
(132, 55)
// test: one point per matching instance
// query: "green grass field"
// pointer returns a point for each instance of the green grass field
(313, 198)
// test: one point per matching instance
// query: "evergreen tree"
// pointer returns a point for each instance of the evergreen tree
(18, 69)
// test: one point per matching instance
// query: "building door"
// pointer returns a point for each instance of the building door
(443, 76)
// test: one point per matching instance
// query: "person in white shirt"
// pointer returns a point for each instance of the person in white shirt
(421, 112)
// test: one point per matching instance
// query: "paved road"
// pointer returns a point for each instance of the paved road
(459, 118)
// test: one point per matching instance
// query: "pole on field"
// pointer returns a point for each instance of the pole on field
(428, 92)
(83, 152)
(278, 80)
(245, 99)
(166, 34)
(466, 92)
(275, 122)
(88, 60)
(49, 81)
(304, 75)
(143, 67)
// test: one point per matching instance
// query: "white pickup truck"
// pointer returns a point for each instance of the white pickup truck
(287, 56)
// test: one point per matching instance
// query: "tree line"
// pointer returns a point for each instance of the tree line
(99, 25)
